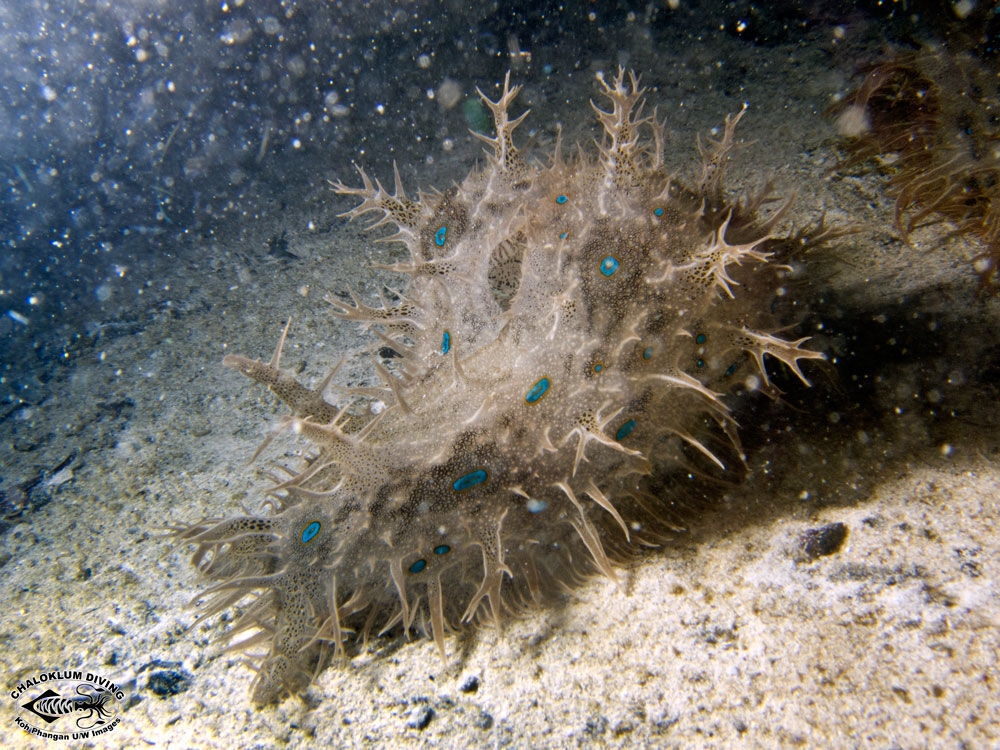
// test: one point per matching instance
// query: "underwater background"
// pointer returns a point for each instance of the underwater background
(166, 201)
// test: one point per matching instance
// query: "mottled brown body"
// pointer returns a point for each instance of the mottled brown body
(567, 340)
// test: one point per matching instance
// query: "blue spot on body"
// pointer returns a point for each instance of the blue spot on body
(700, 363)
(561, 199)
(701, 338)
(536, 506)
(310, 532)
(625, 430)
(445, 342)
(564, 235)
(439, 236)
(598, 367)
(609, 265)
(470, 480)
(658, 211)
(647, 353)
(731, 369)
(442, 549)
(418, 566)
(536, 391)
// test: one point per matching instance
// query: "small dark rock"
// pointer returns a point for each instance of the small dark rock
(166, 682)
(823, 541)
(471, 685)
(421, 717)
(484, 721)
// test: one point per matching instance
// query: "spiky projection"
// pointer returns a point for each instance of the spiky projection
(567, 341)
(929, 118)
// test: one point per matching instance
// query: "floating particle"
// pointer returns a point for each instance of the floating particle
(449, 92)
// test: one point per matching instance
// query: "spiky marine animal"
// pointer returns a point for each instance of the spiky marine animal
(566, 341)
(935, 113)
